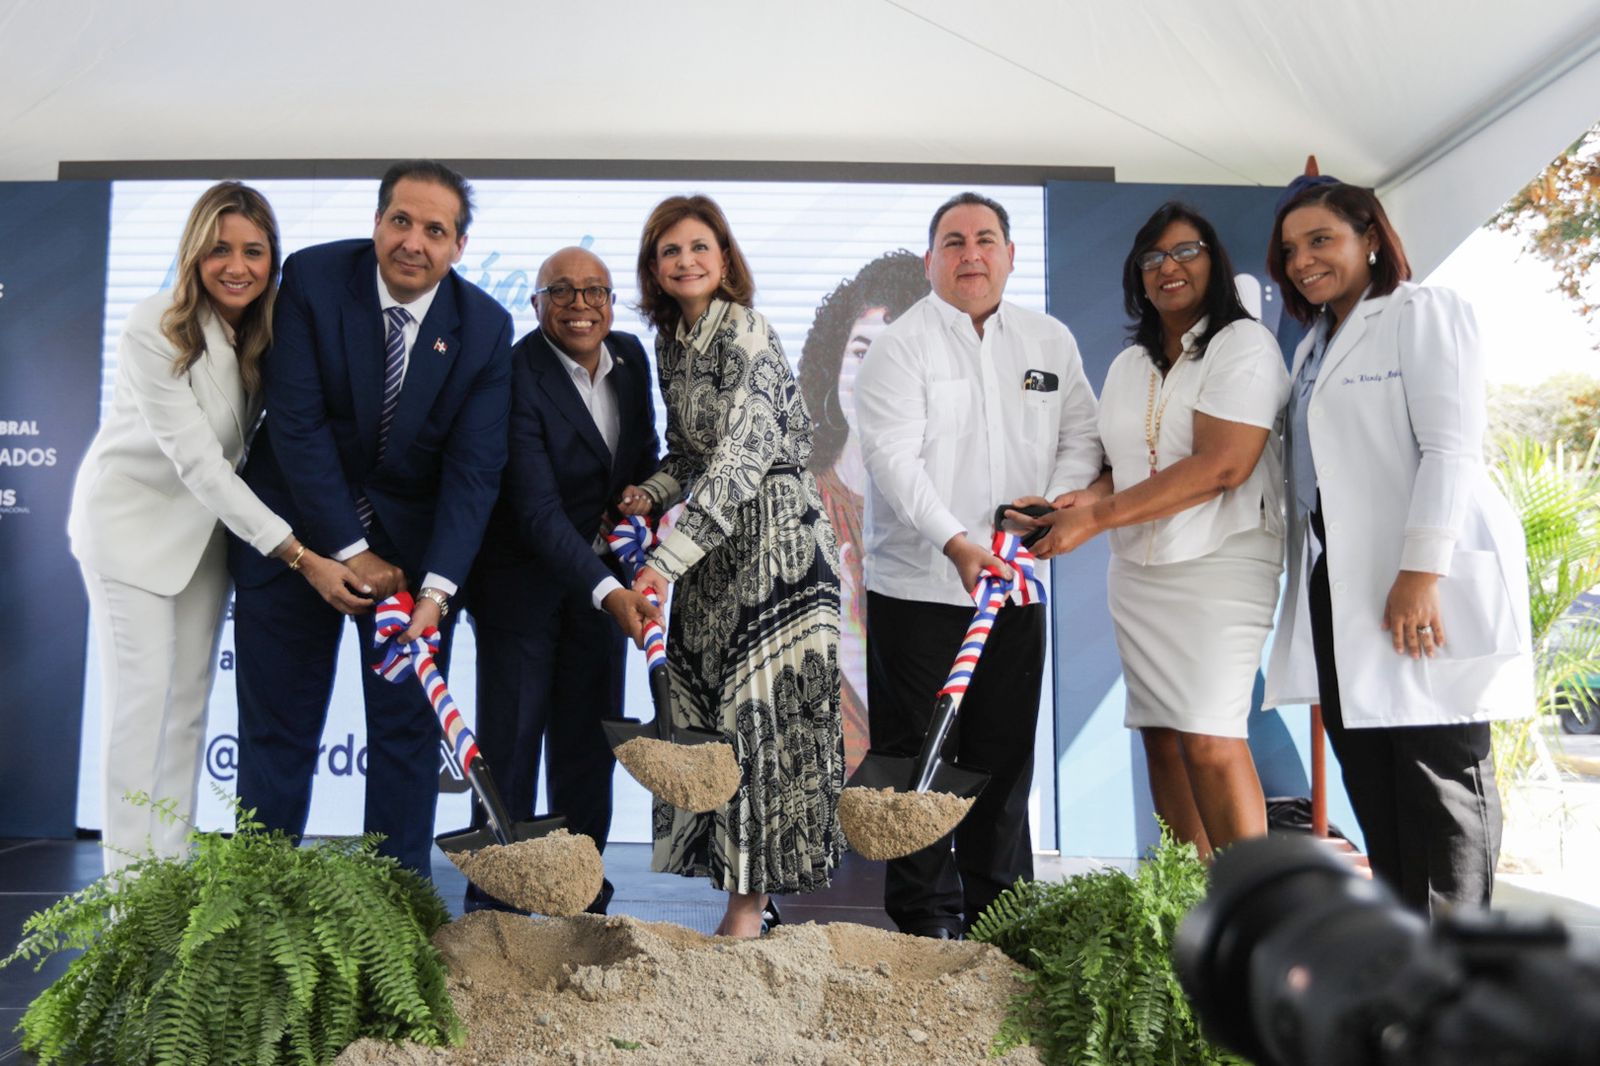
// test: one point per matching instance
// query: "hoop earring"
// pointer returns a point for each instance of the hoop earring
(1372, 258)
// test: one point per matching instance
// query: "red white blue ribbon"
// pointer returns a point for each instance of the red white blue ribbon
(629, 540)
(991, 593)
(401, 659)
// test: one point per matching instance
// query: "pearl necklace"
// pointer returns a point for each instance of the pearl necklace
(1153, 414)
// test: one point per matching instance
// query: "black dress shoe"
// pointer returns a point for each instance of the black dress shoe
(933, 932)
(603, 899)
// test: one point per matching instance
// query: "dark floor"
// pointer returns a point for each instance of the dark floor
(36, 873)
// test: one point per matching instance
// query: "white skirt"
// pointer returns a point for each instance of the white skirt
(1190, 633)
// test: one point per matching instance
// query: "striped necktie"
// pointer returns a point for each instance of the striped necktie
(394, 372)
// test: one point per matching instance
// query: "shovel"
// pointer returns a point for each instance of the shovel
(886, 832)
(676, 779)
(393, 615)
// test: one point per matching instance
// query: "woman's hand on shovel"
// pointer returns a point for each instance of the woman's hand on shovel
(630, 610)
(649, 578)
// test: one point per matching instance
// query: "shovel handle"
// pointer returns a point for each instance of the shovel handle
(956, 684)
(1033, 510)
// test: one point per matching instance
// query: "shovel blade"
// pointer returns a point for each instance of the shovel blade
(469, 840)
(621, 730)
(899, 772)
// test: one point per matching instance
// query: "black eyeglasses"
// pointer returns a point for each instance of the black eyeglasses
(1180, 253)
(562, 294)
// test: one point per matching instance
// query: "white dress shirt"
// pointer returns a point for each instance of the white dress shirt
(948, 432)
(419, 310)
(1241, 378)
(600, 400)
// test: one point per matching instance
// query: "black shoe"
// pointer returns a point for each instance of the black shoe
(602, 900)
(770, 918)
(933, 932)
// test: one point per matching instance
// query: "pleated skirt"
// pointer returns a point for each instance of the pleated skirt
(753, 652)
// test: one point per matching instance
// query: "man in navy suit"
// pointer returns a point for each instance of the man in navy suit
(550, 660)
(387, 390)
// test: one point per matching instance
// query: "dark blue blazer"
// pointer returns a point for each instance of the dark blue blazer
(559, 480)
(318, 448)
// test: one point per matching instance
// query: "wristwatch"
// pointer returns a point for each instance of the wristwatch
(437, 596)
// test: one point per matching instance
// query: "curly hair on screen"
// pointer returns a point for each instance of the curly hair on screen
(893, 281)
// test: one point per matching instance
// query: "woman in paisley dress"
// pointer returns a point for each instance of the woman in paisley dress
(753, 636)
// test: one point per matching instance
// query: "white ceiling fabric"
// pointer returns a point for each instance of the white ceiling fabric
(1446, 105)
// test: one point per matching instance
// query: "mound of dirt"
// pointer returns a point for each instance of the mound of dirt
(694, 777)
(596, 991)
(558, 874)
(881, 823)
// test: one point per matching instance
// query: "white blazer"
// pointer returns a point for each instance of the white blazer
(1396, 421)
(160, 472)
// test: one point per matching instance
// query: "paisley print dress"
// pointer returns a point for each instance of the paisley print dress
(753, 634)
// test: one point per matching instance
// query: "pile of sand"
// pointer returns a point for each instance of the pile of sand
(693, 777)
(592, 991)
(881, 823)
(559, 873)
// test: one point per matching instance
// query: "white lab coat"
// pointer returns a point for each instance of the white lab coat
(1396, 422)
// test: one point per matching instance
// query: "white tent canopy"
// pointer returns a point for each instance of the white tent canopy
(1446, 106)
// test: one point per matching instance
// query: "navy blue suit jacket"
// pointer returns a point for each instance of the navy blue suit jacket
(317, 451)
(559, 480)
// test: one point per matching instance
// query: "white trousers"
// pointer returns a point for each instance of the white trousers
(158, 658)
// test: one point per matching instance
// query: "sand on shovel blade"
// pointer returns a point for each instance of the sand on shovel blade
(881, 823)
(694, 777)
(558, 874)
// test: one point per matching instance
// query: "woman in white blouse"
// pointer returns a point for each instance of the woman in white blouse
(149, 507)
(1406, 609)
(1193, 503)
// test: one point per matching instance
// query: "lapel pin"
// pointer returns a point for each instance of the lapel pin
(439, 346)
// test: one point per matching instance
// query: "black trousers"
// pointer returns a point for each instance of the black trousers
(547, 684)
(286, 643)
(1425, 795)
(910, 647)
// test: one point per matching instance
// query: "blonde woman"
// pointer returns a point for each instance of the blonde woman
(151, 503)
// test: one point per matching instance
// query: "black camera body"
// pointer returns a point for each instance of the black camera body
(1293, 960)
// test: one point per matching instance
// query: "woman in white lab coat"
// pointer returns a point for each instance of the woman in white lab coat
(1406, 611)
(149, 507)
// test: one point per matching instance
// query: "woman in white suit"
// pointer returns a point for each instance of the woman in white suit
(1406, 612)
(149, 507)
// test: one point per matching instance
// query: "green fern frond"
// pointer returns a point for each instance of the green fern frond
(1101, 988)
(251, 951)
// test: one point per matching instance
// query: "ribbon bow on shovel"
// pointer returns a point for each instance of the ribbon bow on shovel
(401, 660)
(693, 769)
(895, 805)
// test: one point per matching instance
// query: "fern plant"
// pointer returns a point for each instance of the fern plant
(250, 951)
(1557, 496)
(1098, 949)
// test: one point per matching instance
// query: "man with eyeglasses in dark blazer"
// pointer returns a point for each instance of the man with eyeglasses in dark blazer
(550, 613)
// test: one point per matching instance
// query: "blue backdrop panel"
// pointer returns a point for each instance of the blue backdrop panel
(1102, 791)
(52, 309)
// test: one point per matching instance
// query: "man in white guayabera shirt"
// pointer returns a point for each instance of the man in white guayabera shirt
(963, 402)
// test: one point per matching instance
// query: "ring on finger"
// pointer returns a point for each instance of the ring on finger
(1424, 631)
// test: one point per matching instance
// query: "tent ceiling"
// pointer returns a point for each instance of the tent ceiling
(1398, 94)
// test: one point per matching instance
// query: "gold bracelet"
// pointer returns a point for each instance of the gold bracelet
(294, 564)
